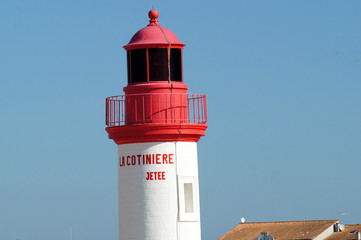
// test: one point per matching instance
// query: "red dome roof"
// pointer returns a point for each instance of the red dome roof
(153, 35)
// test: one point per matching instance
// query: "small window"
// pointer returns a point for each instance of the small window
(137, 66)
(188, 199)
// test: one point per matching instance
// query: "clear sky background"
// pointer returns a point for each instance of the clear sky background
(283, 84)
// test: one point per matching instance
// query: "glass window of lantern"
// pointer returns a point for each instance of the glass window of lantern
(158, 64)
(138, 66)
(176, 64)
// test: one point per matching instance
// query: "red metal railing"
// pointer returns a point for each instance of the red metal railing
(156, 108)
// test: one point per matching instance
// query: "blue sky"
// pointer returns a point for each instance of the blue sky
(283, 85)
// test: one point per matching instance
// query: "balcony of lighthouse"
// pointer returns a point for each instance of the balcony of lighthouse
(156, 108)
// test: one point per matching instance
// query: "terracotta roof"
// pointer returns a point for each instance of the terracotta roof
(280, 230)
(345, 234)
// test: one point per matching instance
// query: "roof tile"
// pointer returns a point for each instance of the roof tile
(293, 230)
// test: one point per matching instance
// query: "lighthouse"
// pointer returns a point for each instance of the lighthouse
(156, 125)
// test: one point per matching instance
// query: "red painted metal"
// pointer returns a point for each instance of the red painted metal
(153, 35)
(155, 111)
(156, 108)
(156, 133)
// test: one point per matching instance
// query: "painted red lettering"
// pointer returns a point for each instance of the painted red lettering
(171, 158)
(121, 161)
(155, 176)
(134, 161)
(148, 158)
(165, 161)
(139, 159)
(158, 159)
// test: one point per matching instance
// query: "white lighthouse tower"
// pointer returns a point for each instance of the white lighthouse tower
(156, 125)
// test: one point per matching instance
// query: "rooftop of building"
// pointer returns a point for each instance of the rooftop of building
(346, 234)
(293, 230)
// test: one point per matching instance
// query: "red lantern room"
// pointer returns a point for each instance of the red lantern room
(154, 54)
(156, 106)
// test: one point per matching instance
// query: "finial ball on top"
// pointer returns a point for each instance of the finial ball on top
(153, 14)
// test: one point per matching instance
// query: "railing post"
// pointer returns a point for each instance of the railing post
(143, 107)
(151, 108)
(106, 111)
(188, 110)
(123, 105)
(181, 97)
(135, 110)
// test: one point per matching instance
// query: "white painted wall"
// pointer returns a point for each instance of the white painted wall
(149, 209)
(325, 234)
(187, 170)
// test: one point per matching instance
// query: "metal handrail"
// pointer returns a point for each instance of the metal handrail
(152, 108)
